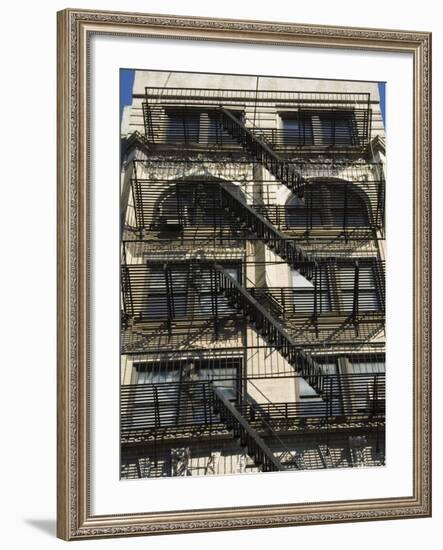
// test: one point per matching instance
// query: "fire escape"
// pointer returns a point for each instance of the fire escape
(186, 264)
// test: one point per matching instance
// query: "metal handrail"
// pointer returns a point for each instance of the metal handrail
(257, 448)
(272, 330)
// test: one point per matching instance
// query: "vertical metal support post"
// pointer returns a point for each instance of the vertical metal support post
(157, 408)
(138, 201)
(214, 299)
(333, 129)
(345, 213)
(355, 307)
(374, 396)
(328, 383)
(310, 198)
(185, 130)
(321, 289)
(214, 215)
(316, 300)
(169, 296)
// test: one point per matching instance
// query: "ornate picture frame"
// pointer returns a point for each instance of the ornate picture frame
(75, 31)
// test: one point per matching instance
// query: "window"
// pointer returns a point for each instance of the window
(183, 125)
(165, 292)
(205, 300)
(214, 132)
(297, 129)
(329, 205)
(368, 388)
(234, 271)
(175, 210)
(364, 366)
(221, 370)
(192, 203)
(362, 392)
(335, 290)
(322, 128)
(225, 374)
(183, 398)
(153, 373)
(314, 403)
(367, 292)
(198, 126)
(307, 211)
(338, 128)
(176, 290)
(303, 294)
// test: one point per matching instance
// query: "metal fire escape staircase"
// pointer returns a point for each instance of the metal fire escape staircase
(241, 299)
(269, 328)
(287, 249)
(262, 152)
(237, 421)
(292, 253)
(152, 407)
(254, 445)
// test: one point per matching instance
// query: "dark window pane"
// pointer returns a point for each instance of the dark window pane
(338, 129)
(297, 130)
(215, 133)
(183, 125)
(367, 293)
(335, 205)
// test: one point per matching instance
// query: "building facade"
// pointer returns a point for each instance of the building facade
(252, 275)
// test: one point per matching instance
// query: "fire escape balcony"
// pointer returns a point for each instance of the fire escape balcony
(327, 123)
(204, 228)
(205, 210)
(306, 121)
(181, 289)
(206, 292)
(196, 409)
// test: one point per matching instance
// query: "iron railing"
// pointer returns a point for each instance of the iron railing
(168, 407)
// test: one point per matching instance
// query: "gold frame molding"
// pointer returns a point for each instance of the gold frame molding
(75, 27)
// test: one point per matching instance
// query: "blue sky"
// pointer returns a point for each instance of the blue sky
(127, 82)
(382, 92)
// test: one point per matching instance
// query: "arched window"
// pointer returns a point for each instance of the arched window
(327, 204)
(187, 204)
(192, 203)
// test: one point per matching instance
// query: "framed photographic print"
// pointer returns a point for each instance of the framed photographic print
(244, 274)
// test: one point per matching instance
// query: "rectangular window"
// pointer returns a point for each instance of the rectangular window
(206, 302)
(220, 369)
(175, 393)
(338, 128)
(368, 387)
(178, 291)
(363, 366)
(296, 129)
(165, 292)
(323, 128)
(367, 292)
(198, 126)
(313, 403)
(183, 125)
(212, 129)
(305, 299)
